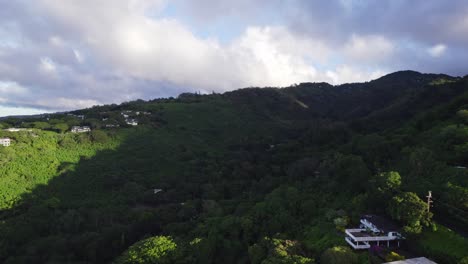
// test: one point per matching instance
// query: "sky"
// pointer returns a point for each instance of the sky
(58, 55)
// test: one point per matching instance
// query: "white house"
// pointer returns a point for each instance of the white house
(373, 230)
(131, 122)
(80, 129)
(5, 142)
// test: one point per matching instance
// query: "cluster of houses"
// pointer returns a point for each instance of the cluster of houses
(130, 121)
(82, 117)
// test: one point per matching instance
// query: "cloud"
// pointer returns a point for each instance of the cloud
(437, 50)
(71, 54)
(371, 48)
(47, 66)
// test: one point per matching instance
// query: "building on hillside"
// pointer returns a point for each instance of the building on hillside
(373, 230)
(16, 129)
(82, 117)
(6, 142)
(421, 260)
(131, 122)
(80, 129)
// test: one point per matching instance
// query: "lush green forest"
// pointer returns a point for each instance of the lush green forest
(257, 175)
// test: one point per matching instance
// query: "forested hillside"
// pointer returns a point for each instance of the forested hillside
(257, 175)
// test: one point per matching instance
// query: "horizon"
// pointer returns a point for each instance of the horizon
(62, 55)
(21, 112)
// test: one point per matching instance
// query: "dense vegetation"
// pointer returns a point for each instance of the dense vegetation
(250, 176)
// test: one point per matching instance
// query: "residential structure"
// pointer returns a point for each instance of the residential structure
(15, 129)
(80, 129)
(5, 142)
(131, 122)
(373, 230)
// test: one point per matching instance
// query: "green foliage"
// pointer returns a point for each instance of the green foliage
(393, 256)
(293, 165)
(321, 236)
(99, 136)
(159, 249)
(277, 251)
(388, 182)
(60, 127)
(410, 210)
(443, 245)
(339, 255)
(463, 115)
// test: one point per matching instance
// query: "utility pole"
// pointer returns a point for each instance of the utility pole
(429, 201)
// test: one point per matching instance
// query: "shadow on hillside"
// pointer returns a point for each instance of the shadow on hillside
(92, 212)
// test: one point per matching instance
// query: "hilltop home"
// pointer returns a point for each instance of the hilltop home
(80, 129)
(5, 142)
(373, 230)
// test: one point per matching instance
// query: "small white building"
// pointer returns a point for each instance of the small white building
(6, 142)
(80, 129)
(16, 129)
(131, 122)
(373, 230)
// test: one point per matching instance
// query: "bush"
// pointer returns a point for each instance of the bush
(393, 256)
(158, 249)
(339, 255)
(99, 136)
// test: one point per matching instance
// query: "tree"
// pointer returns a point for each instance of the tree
(60, 127)
(338, 255)
(410, 210)
(383, 187)
(158, 249)
(387, 182)
(463, 115)
(41, 125)
(277, 251)
(99, 136)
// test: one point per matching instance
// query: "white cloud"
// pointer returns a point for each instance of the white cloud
(437, 50)
(79, 58)
(56, 41)
(371, 48)
(9, 111)
(87, 52)
(166, 50)
(66, 103)
(47, 65)
(348, 74)
(12, 88)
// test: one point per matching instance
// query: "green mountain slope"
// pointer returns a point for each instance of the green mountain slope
(251, 176)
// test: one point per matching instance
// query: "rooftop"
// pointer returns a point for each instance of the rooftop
(421, 260)
(381, 223)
